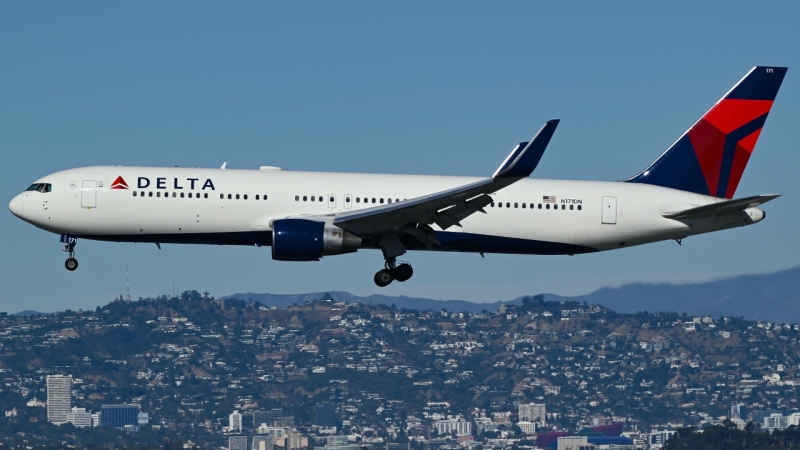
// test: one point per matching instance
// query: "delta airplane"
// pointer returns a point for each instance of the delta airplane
(305, 216)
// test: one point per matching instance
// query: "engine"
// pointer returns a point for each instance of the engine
(308, 240)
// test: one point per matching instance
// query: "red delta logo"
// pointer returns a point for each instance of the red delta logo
(119, 183)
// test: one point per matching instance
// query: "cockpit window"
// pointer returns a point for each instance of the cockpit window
(41, 187)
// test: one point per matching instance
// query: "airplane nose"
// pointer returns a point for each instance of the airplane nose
(16, 206)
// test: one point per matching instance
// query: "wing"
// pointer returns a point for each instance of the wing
(447, 208)
(715, 209)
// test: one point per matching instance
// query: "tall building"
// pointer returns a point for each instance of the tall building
(264, 442)
(119, 416)
(325, 415)
(294, 440)
(237, 443)
(451, 425)
(533, 412)
(79, 418)
(59, 398)
(235, 422)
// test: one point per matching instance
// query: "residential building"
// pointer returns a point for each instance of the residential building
(658, 439)
(59, 398)
(235, 422)
(533, 412)
(79, 417)
(453, 425)
(527, 427)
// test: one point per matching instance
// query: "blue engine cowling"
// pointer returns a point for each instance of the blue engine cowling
(308, 240)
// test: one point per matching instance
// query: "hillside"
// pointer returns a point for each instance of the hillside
(773, 297)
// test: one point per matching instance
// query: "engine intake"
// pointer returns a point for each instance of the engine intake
(309, 240)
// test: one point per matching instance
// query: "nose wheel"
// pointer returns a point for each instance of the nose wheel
(71, 263)
(392, 272)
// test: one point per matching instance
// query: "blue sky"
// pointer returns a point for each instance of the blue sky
(409, 87)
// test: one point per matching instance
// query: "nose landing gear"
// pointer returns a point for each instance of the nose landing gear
(393, 271)
(71, 263)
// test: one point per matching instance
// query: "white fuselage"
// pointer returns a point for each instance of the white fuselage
(188, 205)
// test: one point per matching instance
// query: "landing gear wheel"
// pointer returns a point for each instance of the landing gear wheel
(383, 278)
(403, 272)
(71, 264)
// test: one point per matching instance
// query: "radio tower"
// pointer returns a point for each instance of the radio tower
(128, 285)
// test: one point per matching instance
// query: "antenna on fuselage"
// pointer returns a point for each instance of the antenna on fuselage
(223, 165)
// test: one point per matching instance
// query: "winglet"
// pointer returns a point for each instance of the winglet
(526, 156)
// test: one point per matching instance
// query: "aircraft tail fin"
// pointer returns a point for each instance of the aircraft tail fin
(710, 157)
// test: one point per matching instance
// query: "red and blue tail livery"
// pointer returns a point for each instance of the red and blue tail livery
(711, 156)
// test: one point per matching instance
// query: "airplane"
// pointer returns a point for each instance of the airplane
(305, 216)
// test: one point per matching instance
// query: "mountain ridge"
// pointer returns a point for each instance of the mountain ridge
(772, 296)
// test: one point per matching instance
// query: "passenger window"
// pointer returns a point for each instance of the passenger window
(381, 201)
(205, 195)
(134, 193)
(373, 199)
(492, 204)
(571, 207)
(540, 206)
(563, 207)
(245, 196)
(158, 194)
(358, 199)
(221, 196)
(297, 198)
(579, 207)
(181, 194)
(305, 198)
(524, 205)
(190, 195)
(150, 194)
(500, 205)
(388, 200)
(265, 197)
(508, 204)
(547, 206)
(237, 196)
(256, 196)
(516, 205)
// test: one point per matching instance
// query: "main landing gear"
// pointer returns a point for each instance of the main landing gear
(71, 263)
(393, 271)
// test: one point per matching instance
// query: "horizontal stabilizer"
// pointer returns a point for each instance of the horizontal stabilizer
(719, 208)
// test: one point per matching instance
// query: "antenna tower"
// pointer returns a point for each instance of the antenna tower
(128, 285)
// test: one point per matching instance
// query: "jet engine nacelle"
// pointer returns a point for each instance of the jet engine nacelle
(309, 240)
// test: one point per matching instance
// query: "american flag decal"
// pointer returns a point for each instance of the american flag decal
(549, 199)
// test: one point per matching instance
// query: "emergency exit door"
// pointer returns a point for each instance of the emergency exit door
(609, 214)
(89, 194)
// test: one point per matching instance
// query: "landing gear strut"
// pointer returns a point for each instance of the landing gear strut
(393, 271)
(71, 263)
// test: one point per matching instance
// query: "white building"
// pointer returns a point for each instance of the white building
(235, 423)
(533, 412)
(454, 424)
(79, 417)
(527, 427)
(657, 439)
(96, 419)
(776, 422)
(264, 442)
(59, 398)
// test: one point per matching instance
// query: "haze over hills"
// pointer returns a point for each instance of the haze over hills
(773, 297)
